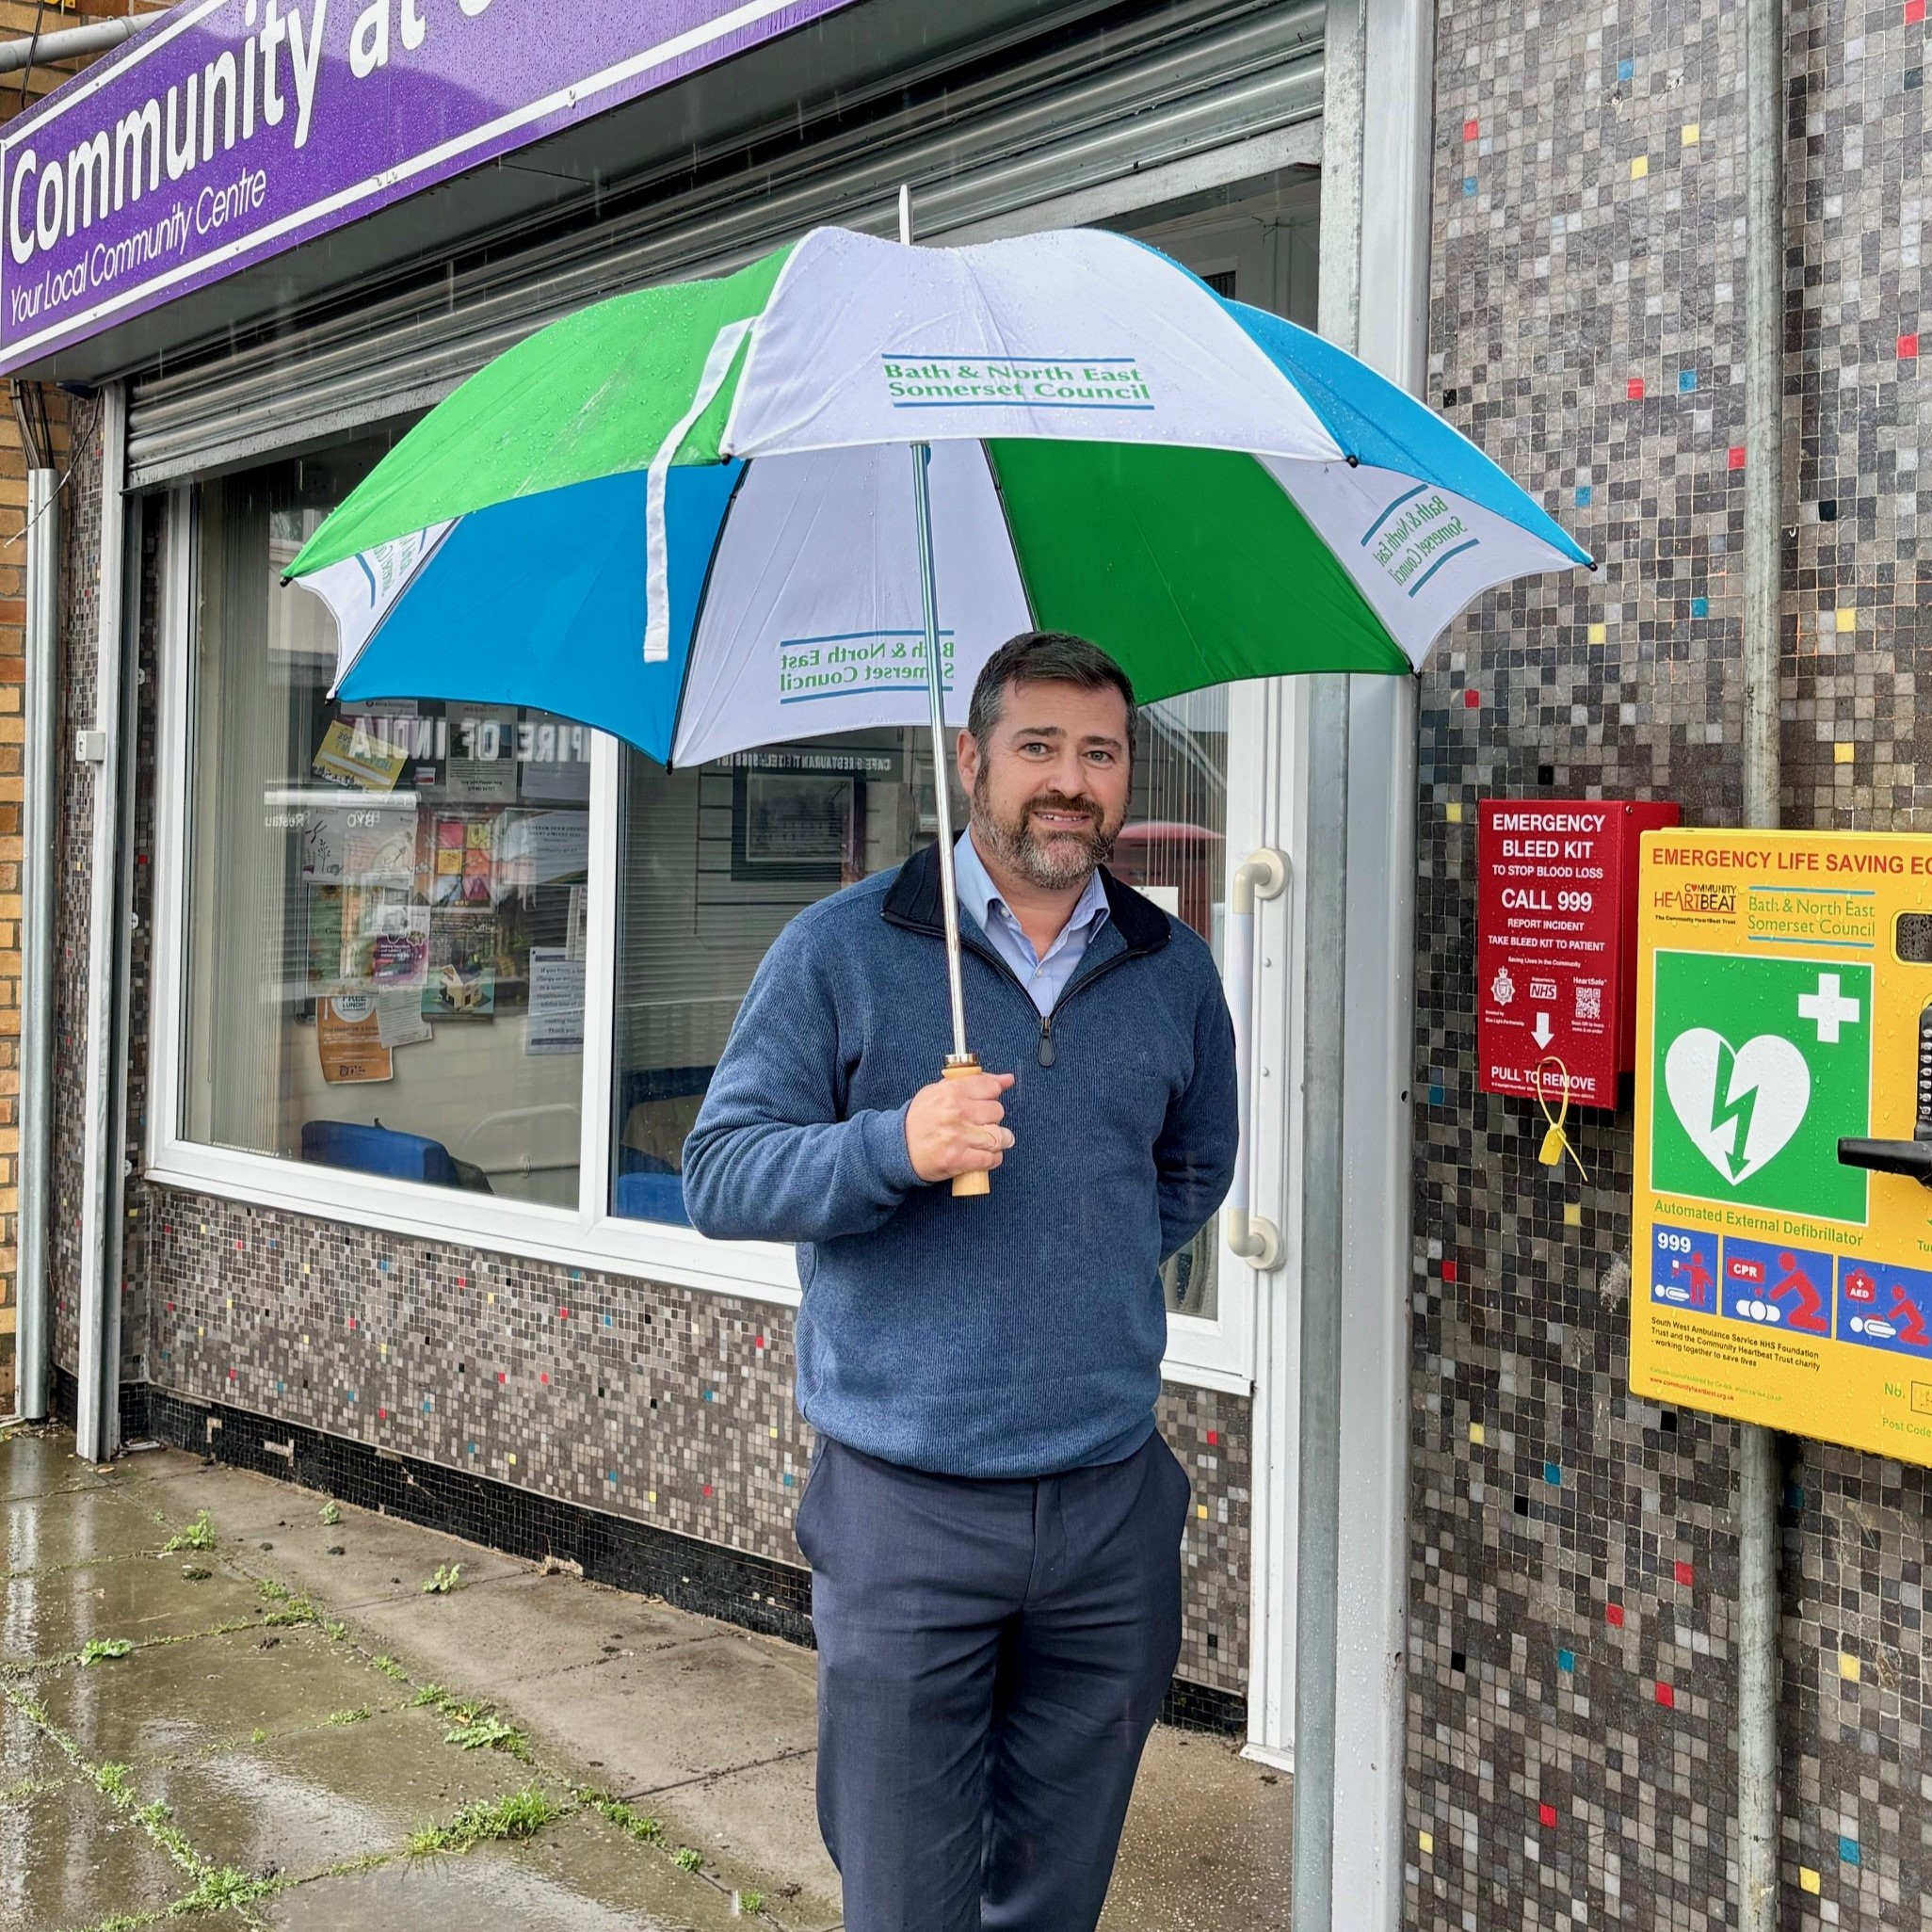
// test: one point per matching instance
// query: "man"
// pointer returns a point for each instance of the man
(993, 1522)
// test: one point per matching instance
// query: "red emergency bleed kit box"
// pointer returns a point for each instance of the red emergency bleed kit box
(1556, 943)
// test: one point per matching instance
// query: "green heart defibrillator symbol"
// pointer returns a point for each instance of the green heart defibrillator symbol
(1758, 1067)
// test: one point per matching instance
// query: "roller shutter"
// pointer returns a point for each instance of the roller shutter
(1086, 129)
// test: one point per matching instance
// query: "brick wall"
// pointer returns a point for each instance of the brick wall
(20, 19)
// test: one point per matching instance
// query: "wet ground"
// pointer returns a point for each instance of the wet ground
(226, 1695)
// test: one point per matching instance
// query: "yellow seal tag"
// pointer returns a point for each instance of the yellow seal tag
(1555, 1142)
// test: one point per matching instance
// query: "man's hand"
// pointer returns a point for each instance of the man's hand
(953, 1126)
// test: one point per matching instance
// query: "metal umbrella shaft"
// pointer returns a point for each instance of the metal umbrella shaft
(934, 690)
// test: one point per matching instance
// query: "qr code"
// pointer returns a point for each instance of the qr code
(1590, 1001)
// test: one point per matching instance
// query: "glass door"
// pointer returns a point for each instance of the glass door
(1220, 782)
(1198, 809)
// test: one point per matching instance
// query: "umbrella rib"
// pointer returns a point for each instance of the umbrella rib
(992, 471)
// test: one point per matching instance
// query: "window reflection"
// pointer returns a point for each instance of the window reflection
(716, 862)
(387, 903)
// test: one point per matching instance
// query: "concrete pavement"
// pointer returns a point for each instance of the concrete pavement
(227, 1693)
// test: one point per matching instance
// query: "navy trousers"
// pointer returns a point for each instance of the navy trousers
(992, 1656)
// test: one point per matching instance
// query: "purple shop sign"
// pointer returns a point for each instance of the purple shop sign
(233, 130)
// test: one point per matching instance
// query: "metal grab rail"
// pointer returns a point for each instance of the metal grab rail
(1263, 875)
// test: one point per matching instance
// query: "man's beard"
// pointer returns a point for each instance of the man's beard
(1055, 862)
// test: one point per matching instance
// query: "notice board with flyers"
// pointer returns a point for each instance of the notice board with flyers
(1782, 1218)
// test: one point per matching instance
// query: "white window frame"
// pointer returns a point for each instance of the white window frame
(1201, 1353)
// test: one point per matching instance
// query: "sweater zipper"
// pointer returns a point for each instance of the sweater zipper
(1047, 1055)
(1045, 1052)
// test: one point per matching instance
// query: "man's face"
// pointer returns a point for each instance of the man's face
(1050, 795)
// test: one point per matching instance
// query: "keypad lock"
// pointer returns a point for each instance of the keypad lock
(1911, 1157)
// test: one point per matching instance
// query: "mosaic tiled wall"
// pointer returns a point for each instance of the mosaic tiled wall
(674, 1406)
(668, 1404)
(1573, 1570)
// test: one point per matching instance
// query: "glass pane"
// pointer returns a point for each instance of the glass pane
(386, 919)
(715, 862)
(1171, 848)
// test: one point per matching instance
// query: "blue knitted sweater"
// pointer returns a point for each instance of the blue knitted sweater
(1020, 1333)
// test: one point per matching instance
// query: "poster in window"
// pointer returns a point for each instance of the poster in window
(556, 1003)
(793, 825)
(351, 755)
(357, 846)
(462, 979)
(348, 1041)
(326, 960)
(482, 764)
(399, 948)
(463, 851)
(541, 847)
(399, 1018)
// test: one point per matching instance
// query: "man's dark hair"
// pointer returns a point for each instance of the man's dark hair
(1045, 657)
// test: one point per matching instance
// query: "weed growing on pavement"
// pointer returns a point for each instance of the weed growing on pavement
(448, 1577)
(390, 1668)
(750, 1902)
(23, 1788)
(330, 1513)
(488, 1734)
(286, 1606)
(687, 1857)
(519, 1815)
(115, 1783)
(627, 1818)
(199, 1535)
(221, 1887)
(97, 1649)
(473, 1726)
(360, 1715)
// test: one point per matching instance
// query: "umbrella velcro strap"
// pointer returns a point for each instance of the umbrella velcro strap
(718, 366)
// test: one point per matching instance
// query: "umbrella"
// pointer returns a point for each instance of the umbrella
(816, 494)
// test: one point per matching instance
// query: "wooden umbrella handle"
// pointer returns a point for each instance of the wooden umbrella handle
(980, 1182)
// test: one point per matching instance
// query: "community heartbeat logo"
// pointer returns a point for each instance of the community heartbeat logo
(1740, 1106)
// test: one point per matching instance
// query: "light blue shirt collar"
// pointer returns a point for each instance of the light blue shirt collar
(1045, 978)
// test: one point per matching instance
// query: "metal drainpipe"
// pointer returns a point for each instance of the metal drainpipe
(69, 42)
(39, 837)
(1757, 1471)
(1318, 1486)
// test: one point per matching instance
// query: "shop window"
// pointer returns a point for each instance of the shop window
(387, 904)
(715, 862)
